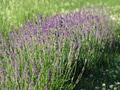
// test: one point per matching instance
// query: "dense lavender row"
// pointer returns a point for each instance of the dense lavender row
(45, 53)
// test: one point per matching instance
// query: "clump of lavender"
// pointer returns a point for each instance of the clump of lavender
(52, 53)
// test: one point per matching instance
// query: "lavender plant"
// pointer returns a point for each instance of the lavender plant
(53, 52)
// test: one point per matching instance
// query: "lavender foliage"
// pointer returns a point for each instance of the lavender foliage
(45, 53)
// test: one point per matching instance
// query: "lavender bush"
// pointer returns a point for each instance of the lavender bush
(53, 52)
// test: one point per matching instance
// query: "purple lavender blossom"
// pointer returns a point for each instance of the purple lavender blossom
(39, 74)
(46, 88)
(1, 52)
(54, 40)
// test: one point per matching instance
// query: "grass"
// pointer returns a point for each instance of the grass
(14, 12)
(106, 75)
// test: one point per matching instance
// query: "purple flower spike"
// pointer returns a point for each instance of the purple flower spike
(46, 88)
(60, 41)
(13, 64)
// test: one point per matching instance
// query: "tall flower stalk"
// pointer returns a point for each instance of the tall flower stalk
(53, 53)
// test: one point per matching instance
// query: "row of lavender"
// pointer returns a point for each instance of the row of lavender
(53, 52)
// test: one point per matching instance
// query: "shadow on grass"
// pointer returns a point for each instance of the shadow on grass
(106, 74)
